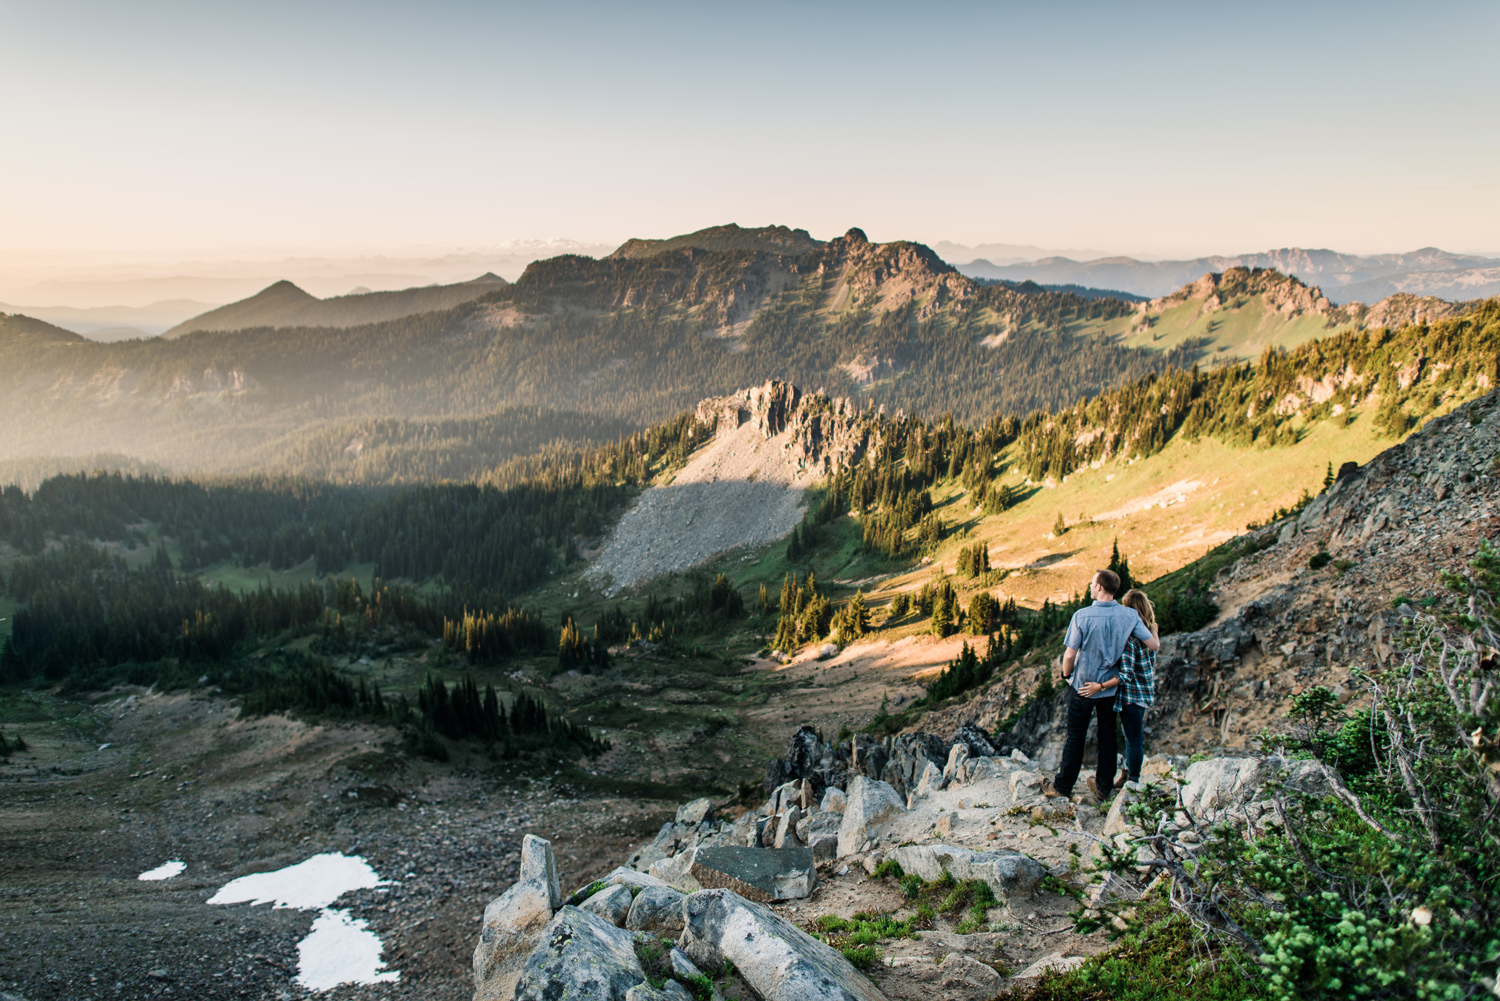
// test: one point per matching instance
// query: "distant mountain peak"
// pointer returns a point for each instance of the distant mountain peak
(764, 239)
(282, 290)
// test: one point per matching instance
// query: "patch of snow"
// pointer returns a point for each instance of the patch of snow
(164, 871)
(340, 950)
(307, 886)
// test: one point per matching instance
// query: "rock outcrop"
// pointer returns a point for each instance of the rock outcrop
(775, 957)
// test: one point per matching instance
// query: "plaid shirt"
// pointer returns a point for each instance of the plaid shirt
(1137, 675)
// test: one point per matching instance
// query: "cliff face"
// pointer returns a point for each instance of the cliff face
(818, 434)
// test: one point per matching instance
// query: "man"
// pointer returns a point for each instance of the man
(1091, 664)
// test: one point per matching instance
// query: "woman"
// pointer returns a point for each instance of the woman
(1137, 689)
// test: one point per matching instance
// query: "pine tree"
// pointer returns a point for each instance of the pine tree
(1121, 566)
(1060, 527)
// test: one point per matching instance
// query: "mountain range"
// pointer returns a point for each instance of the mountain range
(1345, 278)
(286, 380)
(285, 305)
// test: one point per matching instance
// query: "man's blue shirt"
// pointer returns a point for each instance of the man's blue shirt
(1099, 633)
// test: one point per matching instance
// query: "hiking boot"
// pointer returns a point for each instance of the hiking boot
(1121, 779)
(1094, 788)
(1048, 789)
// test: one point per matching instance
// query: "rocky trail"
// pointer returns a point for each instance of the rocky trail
(751, 896)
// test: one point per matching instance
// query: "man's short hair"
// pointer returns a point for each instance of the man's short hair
(1109, 582)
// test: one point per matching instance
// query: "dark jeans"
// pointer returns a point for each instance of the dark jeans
(1132, 719)
(1079, 711)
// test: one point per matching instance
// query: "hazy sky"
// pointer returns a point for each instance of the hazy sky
(1155, 129)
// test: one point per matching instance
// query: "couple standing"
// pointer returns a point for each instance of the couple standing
(1109, 664)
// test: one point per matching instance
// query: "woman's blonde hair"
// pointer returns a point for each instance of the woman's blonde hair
(1136, 598)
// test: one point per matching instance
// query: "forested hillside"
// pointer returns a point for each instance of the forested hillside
(482, 547)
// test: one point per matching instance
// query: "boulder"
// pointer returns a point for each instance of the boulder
(631, 879)
(656, 908)
(670, 991)
(696, 812)
(677, 871)
(834, 801)
(779, 961)
(537, 862)
(512, 927)
(1009, 874)
(1025, 785)
(870, 756)
(956, 769)
(758, 874)
(976, 739)
(1219, 784)
(643, 858)
(986, 769)
(959, 970)
(870, 802)
(931, 780)
(611, 903)
(786, 829)
(742, 829)
(581, 957)
(1055, 961)
(820, 832)
(1115, 821)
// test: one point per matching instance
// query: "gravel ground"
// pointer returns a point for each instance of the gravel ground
(231, 798)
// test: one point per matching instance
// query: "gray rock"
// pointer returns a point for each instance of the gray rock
(758, 874)
(870, 802)
(1054, 961)
(643, 858)
(959, 970)
(677, 871)
(786, 829)
(1219, 784)
(833, 801)
(537, 862)
(670, 991)
(931, 780)
(779, 961)
(820, 832)
(1009, 874)
(512, 927)
(976, 738)
(956, 769)
(696, 812)
(582, 957)
(631, 879)
(611, 903)
(656, 908)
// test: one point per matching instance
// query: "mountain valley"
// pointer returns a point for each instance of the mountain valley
(575, 557)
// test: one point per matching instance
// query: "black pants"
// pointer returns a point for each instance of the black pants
(1079, 711)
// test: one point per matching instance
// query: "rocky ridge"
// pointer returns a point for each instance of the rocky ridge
(1291, 298)
(738, 894)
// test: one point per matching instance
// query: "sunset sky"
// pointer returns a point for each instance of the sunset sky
(1155, 129)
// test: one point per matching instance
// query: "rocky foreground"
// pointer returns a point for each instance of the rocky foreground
(742, 906)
